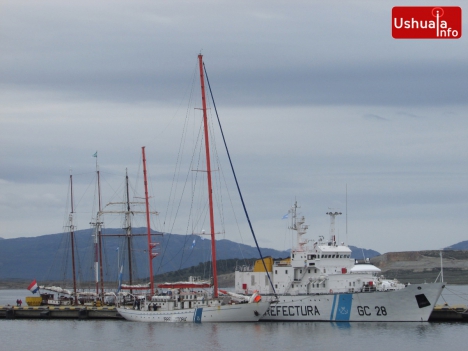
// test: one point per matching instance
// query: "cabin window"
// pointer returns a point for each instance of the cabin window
(315, 270)
(276, 286)
(276, 271)
(300, 271)
(333, 256)
(308, 271)
(324, 270)
(293, 256)
(285, 271)
(354, 283)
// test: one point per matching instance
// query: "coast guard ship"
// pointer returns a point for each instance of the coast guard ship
(321, 282)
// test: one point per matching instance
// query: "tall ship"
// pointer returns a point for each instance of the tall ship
(187, 301)
(321, 282)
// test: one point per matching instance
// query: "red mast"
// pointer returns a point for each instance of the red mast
(151, 255)
(208, 172)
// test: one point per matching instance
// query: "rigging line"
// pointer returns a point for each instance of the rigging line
(183, 191)
(235, 217)
(218, 194)
(178, 165)
(83, 194)
(179, 153)
(194, 76)
(237, 183)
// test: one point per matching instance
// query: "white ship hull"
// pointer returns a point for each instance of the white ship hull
(411, 304)
(244, 312)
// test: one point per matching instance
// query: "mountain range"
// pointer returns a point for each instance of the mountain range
(47, 258)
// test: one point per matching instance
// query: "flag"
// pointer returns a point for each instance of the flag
(95, 154)
(193, 244)
(33, 287)
(120, 279)
(285, 216)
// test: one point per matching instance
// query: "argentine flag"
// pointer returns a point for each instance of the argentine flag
(33, 287)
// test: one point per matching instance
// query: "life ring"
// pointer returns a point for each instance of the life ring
(331, 291)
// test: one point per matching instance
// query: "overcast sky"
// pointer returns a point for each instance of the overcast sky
(314, 97)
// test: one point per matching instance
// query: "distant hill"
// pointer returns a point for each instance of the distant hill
(47, 258)
(463, 245)
(424, 266)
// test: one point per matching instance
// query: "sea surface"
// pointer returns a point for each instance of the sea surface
(73, 335)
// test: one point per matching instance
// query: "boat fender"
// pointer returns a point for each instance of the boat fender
(254, 296)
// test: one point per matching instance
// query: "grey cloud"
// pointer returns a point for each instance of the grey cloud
(374, 117)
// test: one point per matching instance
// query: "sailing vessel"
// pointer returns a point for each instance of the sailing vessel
(185, 301)
(65, 297)
(321, 282)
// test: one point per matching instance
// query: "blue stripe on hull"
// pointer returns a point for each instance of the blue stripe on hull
(343, 311)
(197, 315)
(333, 307)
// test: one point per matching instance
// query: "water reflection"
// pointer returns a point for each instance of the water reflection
(341, 325)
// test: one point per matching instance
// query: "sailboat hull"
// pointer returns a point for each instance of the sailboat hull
(246, 312)
(413, 303)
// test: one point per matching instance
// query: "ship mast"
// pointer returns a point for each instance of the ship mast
(72, 239)
(99, 224)
(98, 269)
(151, 246)
(128, 232)
(208, 172)
(332, 215)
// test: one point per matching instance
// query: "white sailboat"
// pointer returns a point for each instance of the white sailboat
(321, 282)
(183, 302)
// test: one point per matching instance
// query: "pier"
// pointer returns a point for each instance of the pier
(59, 312)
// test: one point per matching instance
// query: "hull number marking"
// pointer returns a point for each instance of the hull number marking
(367, 311)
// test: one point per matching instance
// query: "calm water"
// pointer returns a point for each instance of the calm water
(73, 335)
